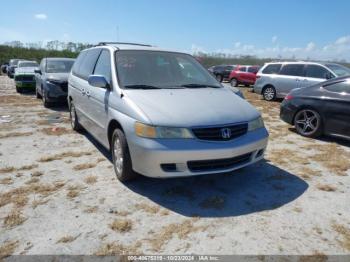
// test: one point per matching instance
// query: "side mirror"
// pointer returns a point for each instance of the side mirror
(98, 81)
(37, 71)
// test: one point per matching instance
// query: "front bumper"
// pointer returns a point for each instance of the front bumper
(149, 154)
(26, 84)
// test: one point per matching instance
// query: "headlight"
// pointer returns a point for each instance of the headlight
(148, 131)
(255, 124)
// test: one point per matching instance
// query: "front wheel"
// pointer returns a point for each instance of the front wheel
(219, 78)
(308, 123)
(269, 93)
(234, 82)
(46, 103)
(121, 157)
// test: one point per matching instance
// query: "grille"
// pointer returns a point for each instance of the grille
(217, 164)
(25, 78)
(215, 133)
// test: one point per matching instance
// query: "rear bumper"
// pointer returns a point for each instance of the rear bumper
(287, 112)
(188, 155)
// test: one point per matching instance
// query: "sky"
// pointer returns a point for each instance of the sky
(314, 29)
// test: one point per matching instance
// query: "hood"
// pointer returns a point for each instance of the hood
(25, 70)
(57, 76)
(192, 107)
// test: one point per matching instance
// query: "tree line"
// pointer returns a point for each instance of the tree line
(38, 50)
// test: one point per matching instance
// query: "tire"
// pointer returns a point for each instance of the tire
(38, 96)
(269, 93)
(74, 118)
(46, 103)
(19, 90)
(308, 123)
(219, 78)
(121, 157)
(234, 82)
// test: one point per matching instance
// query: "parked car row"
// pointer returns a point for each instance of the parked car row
(235, 74)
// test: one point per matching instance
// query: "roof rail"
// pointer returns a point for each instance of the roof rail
(120, 43)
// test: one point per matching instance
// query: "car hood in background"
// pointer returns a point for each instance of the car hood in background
(25, 70)
(192, 107)
(63, 77)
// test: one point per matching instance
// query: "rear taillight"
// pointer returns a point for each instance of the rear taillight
(288, 97)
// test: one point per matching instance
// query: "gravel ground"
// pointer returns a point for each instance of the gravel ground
(59, 194)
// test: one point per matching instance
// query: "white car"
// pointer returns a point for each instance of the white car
(276, 80)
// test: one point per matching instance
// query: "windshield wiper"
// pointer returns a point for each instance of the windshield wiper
(199, 86)
(141, 87)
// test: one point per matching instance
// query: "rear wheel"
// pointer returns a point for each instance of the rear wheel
(234, 82)
(73, 118)
(308, 123)
(121, 157)
(269, 93)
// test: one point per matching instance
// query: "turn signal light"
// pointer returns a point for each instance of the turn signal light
(288, 97)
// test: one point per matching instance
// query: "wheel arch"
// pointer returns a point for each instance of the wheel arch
(266, 86)
(112, 125)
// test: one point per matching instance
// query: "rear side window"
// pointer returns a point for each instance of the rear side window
(88, 64)
(340, 87)
(242, 69)
(103, 65)
(272, 69)
(316, 71)
(292, 70)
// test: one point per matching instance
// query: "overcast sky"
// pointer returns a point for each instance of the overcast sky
(315, 29)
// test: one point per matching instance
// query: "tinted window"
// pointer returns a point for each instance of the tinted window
(229, 68)
(242, 69)
(88, 64)
(78, 62)
(292, 70)
(103, 65)
(339, 87)
(272, 69)
(59, 66)
(253, 69)
(316, 71)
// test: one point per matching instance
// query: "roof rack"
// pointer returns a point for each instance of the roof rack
(121, 43)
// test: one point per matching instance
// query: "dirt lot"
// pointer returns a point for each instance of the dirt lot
(59, 194)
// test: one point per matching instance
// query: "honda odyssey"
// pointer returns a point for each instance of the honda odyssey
(161, 113)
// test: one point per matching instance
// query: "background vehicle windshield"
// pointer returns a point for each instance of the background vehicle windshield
(28, 64)
(59, 66)
(14, 62)
(161, 69)
(339, 70)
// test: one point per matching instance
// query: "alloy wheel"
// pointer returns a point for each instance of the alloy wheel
(307, 122)
(234, 82)
(269, 93)
(72, 116)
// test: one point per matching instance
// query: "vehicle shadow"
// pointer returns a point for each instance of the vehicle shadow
(330, 139)
(259, 187)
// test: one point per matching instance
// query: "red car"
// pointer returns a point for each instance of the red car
(243, 74)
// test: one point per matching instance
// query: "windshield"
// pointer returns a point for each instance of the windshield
(14, 62)
(339, 70)
(28, 64)
(157, 69)
(59, 66)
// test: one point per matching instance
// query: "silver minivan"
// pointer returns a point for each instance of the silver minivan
(276, 80)
(161, 113)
